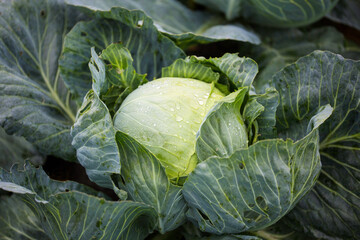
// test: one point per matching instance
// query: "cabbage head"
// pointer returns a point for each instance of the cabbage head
(165, 114)
(198, 143)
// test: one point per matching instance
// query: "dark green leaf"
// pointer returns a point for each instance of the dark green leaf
(282, 47)
(331, 210)
(35, 102)
(18, 221)
(64, 213)
(183, 25)
(286, 13)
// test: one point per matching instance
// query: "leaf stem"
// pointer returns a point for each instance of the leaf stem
(327, 142)
(56, 97)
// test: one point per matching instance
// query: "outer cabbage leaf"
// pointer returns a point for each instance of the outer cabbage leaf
(255, 186)
(150, 49)
(331, 210)
(62, 212)
(35, 102)
(346, 12)
(18, 221)
(145, 180)
(183, 25)
(37, 106)
(94, 139)
(286, 13)
(275, 13)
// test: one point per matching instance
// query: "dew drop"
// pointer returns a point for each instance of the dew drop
(201, 102)
(178, 118)
(172, 109)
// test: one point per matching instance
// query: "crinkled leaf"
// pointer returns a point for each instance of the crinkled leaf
(94, 139)
(231, 71)
(231, 8)
(15, 150)
(331, 209)
(35, 102)
(114, 81)
(252, 110)
(267, 118)
(346, 12)
(286, 13)
(183, 25)
(18, 221)
(256, 186)
(223, 130)
(282, 47)
(316, 79)
(324, 77)
(150, 50)
(145, 180)
(239, 71)
(190, 68)
(64, 213)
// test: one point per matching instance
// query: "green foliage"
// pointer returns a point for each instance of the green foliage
(324, 77)
(35, 102)
(187, 147)
(184, 26)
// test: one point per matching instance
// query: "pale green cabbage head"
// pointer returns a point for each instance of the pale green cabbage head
(164, 115)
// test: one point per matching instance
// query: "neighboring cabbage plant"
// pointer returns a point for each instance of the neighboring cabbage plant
(273, 13)
(197, 143)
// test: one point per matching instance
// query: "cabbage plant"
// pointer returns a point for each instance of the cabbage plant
(197, 143)
(181, 147)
